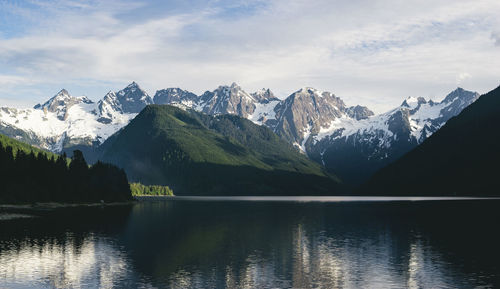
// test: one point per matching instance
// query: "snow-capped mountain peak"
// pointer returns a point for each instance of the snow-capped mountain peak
(65, 120)
(227, 100)
(264, 95)
(175, 96)
(61, 102)
(460, 94)
(376, 140)
(413, 102)
(131, 99)
(62, 96)
(305, 112)
(133, 85)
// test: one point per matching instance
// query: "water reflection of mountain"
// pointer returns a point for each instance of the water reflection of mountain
(179, 244)
(237, 245)
(93, 264)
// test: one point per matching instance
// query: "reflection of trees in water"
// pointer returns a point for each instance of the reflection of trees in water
(234, 245)
(90, 262)
(65, 248)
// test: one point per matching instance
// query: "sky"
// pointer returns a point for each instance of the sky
(373, 53)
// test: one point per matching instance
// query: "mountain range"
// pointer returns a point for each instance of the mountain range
(349, 141)
(461, 158)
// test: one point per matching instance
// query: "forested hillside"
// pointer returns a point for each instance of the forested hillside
(199, 154)
(31, 175)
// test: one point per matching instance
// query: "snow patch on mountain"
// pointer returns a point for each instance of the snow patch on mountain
(264, 112)
(66, 119)
(424, 117)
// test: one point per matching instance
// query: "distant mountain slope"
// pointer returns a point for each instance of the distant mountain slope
(16, 145)
(224, 155)
(461, 158)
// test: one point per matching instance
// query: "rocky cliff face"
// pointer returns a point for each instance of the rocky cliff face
(227, 100)
(356, 149)
(175, 96)
(359, 112)
(305, 112)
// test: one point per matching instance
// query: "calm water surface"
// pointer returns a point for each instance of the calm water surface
(195, 243)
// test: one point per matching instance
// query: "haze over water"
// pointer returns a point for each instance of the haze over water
(247, 244)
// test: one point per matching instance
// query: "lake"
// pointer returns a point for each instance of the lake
(255, 243)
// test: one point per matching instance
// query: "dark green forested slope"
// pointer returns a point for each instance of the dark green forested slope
(225, 155)
(462, 158)
(30, 175)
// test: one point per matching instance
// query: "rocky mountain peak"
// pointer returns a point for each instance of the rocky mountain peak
(61, 102)
(456, 101)
(227, 100)
(305, 112)
(131, 88)
(133, 85)
(133, 99)
(174, 96)
(63, 93)
(264, 95)
(359, 112)
(412, 102)
(461, 94)
(307, 89)
(107, 107)
(232, 91)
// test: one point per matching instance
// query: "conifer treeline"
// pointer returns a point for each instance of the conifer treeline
(139, 189)
(30, 177)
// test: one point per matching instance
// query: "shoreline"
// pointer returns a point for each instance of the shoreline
(25, 211)
(313, 198)
(56, 205)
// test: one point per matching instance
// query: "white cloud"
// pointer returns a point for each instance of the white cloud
(369, 52)
(462, 76)
(9, 80)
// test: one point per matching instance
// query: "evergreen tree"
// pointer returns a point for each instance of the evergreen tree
(34, 177)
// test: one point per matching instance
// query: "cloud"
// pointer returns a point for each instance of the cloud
(496, 37)
(462, 76)
(8, 80)
(368, 52)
